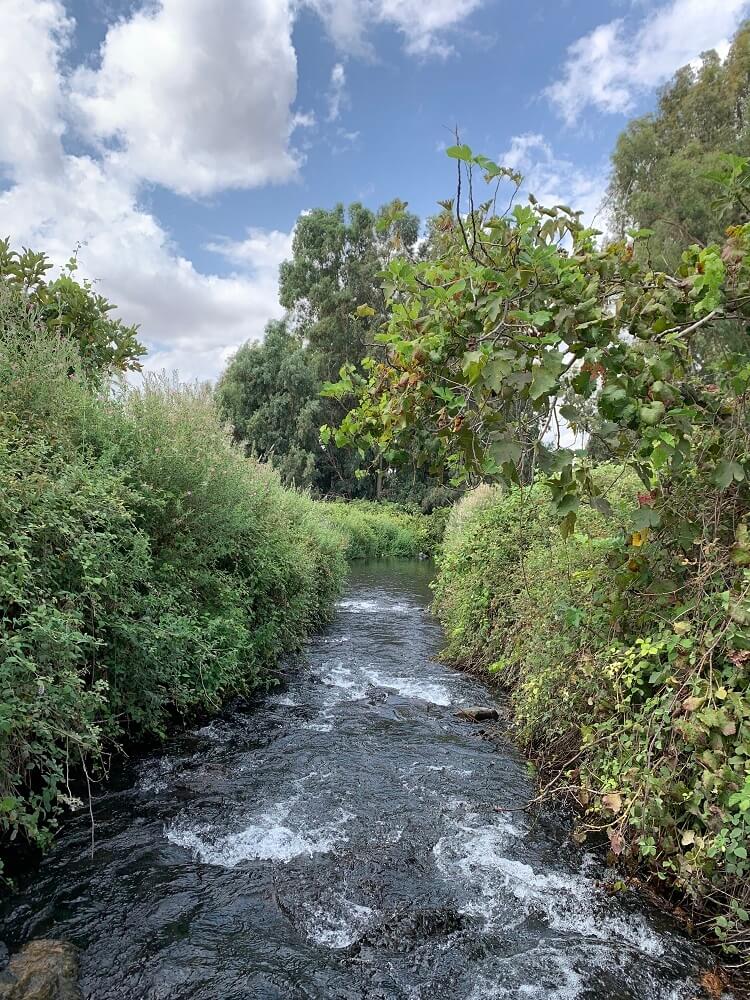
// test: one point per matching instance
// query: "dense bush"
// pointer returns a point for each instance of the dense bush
(632, 701)
(373, 530)
(148, 569)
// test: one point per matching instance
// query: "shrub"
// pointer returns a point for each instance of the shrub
(634, 701)
(373, 530)
(149, 570)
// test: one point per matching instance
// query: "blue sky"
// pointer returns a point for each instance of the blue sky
(179, 140)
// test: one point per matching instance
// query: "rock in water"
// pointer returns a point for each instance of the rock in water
(478, 713)
(42, 970)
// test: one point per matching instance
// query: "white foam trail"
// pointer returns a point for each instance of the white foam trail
(559, 981)
(343, 679)
(218, 731)
(504, 891)
(338, 922)
(318, 727)
(271, 837)
(382, 606)
(409, 687)
(156, 776)
(285, 700)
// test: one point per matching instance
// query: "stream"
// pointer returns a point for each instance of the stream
(347, 838)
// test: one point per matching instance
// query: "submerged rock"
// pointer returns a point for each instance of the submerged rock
(45, 969)
(479, 713)
(405, 931)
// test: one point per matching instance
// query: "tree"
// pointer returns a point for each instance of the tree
(332, 290)
(269, 392)
(662, 161)
(73, 310)
(526, 308)
(337, 256)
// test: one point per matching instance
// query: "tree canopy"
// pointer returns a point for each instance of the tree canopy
(332, 290)
(663, 161)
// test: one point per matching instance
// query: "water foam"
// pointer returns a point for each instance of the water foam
(504, 891)
(366, 605)
(285, 700)
(336, 922)
(270, 837)
(410, 687)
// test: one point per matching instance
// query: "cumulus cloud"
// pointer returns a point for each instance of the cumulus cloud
(556, 180)
(610, 66)
(33, 37)
(426, 27)
(196, 94)
(190, 320)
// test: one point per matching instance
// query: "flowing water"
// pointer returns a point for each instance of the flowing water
(347, 838)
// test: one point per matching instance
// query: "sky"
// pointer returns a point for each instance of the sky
(174, 143)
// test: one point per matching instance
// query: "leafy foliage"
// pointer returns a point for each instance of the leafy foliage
(525, 324)
(72, 310)
(663, 162)
(270, 392)
(270, 395)
(634, 704)
(148, 569)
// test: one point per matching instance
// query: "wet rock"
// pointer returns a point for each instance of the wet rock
(45, 969)
(479, 713)
(3, 955)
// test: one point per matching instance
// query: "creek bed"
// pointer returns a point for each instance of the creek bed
(347, 838)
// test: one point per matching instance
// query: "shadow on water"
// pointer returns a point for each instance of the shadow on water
(347, 838)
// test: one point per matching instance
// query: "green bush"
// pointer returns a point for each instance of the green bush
(630, 700)
(374, 530)
(149, 570)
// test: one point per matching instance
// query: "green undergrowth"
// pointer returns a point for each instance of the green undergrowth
(633, 701)
(374, 530)
(149, 570)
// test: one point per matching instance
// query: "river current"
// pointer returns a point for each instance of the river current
(345, 838)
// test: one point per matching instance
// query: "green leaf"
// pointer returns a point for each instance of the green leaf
(727, 472)
(543, 381)
(460, 153)
(505, 450)
(646, 517)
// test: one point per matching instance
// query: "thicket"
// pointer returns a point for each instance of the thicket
(619, 616)
(376, 530)
(633, 703)
(149, 569)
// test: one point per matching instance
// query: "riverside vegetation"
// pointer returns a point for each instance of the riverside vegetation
(612, 597)
(153, 567)
(150, 569)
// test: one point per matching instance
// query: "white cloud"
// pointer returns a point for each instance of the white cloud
(336, 92)
(189, 319)
(261, 250)
(32, 39)
(196, 94)
(556, 180)
(610, 66)
(424, 25)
